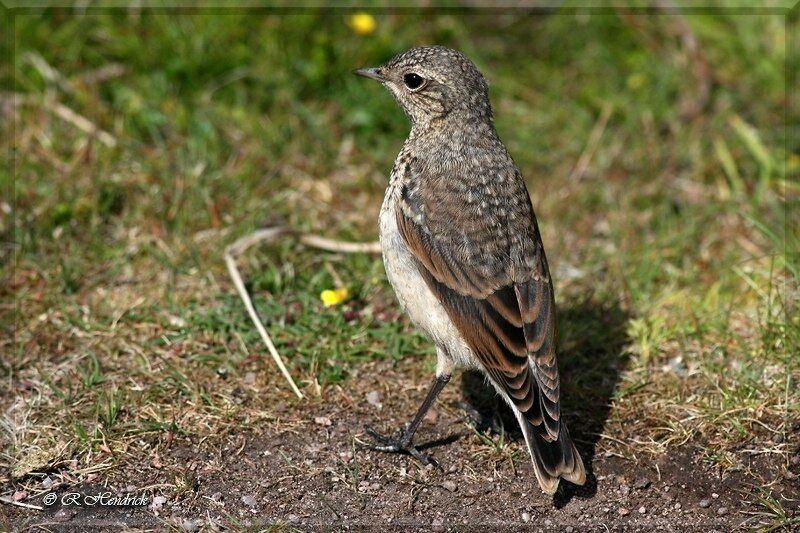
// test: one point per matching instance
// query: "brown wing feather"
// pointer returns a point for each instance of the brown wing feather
(506, 327)
(439, 262)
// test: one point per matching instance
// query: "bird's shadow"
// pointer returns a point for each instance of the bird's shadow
(591, 357)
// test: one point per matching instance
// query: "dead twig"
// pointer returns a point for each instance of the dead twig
(82, 123)
(330, 245)
(20, 504)
(50, 74)
(270, 235)
(15, 99)
(104, 73)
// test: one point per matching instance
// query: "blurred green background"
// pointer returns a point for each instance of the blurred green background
(654, 145)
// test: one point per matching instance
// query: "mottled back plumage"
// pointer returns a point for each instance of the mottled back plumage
(463, 211)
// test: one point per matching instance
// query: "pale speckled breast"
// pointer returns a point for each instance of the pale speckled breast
(414, 296)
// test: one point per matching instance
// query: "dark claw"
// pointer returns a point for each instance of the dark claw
(385, 444)
(399, 444)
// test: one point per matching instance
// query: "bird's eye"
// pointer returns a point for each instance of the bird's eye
(413, 81)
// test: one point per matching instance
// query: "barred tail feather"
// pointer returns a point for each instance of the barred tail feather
(552, 460)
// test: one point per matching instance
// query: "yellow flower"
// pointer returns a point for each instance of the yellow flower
(361, 23)
(333, 297)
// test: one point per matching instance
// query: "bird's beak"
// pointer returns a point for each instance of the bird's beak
(373, 73)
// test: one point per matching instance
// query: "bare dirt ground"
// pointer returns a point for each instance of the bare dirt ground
(304, 469)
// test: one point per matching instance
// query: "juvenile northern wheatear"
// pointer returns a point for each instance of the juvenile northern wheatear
(463, 252)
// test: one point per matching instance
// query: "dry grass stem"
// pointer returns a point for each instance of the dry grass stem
(591, 145)
(83, 123)
(270, 235)
(20, 504)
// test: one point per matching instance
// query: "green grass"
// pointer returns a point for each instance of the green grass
(127, 328)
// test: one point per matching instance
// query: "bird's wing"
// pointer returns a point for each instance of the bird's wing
(502, 306)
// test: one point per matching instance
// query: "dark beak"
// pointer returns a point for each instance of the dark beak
(373, 73)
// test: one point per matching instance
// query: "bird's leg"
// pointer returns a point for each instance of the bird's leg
(402, 443)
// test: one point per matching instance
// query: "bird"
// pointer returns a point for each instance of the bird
(462, 250)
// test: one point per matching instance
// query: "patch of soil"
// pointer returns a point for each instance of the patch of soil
(303, 467)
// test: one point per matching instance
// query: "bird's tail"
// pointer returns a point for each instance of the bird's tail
(552, 460)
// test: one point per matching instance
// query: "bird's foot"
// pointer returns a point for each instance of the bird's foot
(399, 444)
(482, 423)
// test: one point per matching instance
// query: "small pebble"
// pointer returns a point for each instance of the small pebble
(293, 518)
(569, 529)
(676, 366)
(19, 496)
(437, 522)
(47, 483)
(677, 505)
(249, 500)
(625, 490)
(705, 504)
(322, 421)
(641, 483)
(714, 495)
(374, 398)
(450, 485)
(64, 514)
(623, 511)
(526, 517)
(250, 378)
(642, 509)
(722, 511)
(189, 525)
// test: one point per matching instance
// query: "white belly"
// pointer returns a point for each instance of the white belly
(415, 297)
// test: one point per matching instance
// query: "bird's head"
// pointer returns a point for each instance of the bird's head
(434, 82)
